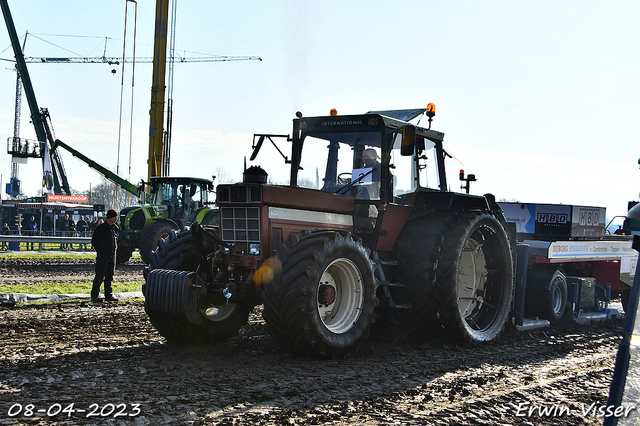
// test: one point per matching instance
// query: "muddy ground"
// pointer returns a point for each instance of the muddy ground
(107, 360)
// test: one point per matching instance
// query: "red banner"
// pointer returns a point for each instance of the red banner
(74, 198)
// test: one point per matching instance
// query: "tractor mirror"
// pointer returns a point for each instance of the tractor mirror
(407, 146)
(257, 147)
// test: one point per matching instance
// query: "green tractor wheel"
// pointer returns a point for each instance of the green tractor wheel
(151, 235)
(123, 254)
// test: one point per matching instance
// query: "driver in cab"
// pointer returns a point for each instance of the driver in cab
(370, 188)
(370, 159)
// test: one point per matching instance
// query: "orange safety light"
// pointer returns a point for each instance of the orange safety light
(431, 110)
(333, 112)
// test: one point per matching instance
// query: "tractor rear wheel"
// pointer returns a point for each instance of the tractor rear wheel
(416, 252)
(322, 301)
(474, 279)
(151, 236)
(219, 323)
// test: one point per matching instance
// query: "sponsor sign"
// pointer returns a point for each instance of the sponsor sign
(591, 250)
(73, 198)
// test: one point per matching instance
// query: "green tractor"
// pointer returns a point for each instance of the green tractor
(175, 203)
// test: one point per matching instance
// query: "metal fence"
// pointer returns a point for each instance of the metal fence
(70, 241)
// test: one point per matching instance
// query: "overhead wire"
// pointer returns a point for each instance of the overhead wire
(56, 45)
(133, 75)
(124, 52)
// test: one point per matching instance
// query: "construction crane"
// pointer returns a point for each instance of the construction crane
(15, 190)
(160, 138)
(161, 148)
(139, 60)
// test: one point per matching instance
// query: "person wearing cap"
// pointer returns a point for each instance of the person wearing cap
(105, 242)
(370, 160)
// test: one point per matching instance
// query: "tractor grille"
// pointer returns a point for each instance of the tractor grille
(241, 225)
(136, 223)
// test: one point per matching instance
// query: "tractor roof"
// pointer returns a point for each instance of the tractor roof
(364, 123)
(182, 180)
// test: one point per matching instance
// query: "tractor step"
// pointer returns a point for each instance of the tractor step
(385, 284)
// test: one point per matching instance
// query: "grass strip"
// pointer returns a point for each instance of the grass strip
(71, 302)
(40, 255)
(44, 255)
(67, 288)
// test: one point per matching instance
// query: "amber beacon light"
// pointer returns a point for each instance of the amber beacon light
(431, 110)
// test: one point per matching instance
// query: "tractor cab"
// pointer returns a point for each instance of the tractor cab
(372, 157)
(182, 197)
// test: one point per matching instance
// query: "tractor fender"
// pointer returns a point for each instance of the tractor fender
(176, 223)
(427, 201)
(207, 216)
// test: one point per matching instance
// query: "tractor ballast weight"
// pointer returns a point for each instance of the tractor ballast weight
(380, 236)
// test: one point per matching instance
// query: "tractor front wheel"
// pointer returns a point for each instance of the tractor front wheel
(123, 254)
(219, 322)
(321, 303)
(151, 236)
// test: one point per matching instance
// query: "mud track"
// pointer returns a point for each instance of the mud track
(34, 270)
(83, 354)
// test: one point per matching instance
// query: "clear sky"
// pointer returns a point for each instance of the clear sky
(537, 99)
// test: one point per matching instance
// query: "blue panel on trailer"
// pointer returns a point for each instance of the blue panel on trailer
(555, 221)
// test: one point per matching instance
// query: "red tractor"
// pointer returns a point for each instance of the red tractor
(380, 235)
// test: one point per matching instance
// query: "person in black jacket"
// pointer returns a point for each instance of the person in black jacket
(5, 231)
(105, 242)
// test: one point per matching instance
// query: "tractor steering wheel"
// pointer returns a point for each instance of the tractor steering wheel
(344, 179)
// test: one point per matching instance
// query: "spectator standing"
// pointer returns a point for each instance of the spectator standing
(63, 227)
(105, 242)
(5, 231)
(32, 226)
(94, 223)
(47, 226)
(72, 230)
(82, 227)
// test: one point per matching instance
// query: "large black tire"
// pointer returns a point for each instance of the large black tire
(151, 236)
(322, 301)
(416, 252)
(474, 279)
(177, 252)
(549, 302)
(123, 254)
